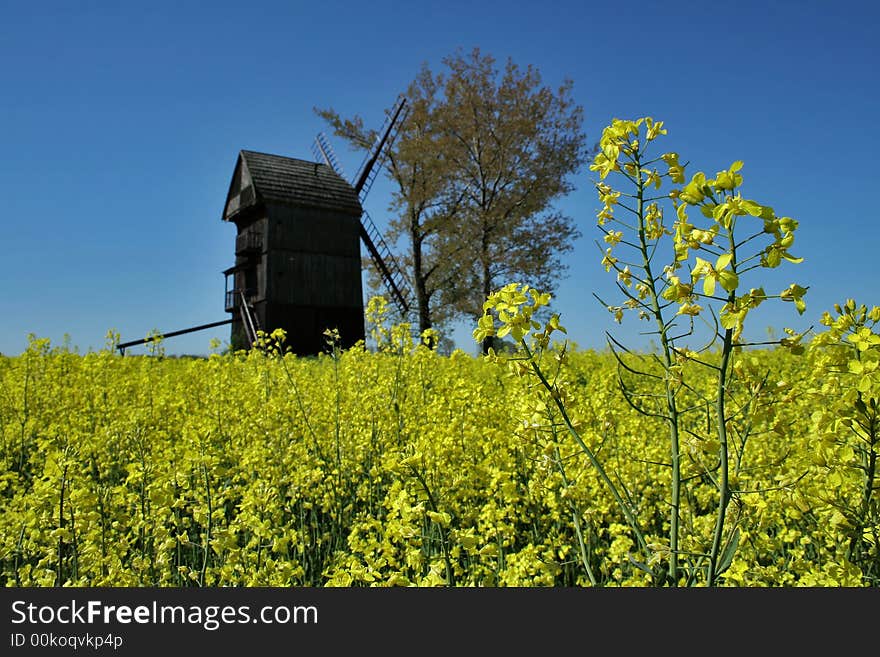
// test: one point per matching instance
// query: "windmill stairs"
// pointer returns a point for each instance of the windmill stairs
(249, 319)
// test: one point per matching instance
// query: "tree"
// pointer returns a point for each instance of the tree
(423, 201)
(478, 165)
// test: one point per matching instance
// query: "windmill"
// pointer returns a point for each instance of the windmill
(298, 263)
(382, 257)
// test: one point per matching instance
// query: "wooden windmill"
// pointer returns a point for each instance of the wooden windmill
(298, 261)
(297, 250)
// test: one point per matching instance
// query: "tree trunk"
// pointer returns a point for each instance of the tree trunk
(420, 281)
(489, 341)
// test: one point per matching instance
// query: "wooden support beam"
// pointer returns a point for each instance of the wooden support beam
(123, 345)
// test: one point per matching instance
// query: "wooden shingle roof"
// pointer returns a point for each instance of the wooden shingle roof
(261, 177)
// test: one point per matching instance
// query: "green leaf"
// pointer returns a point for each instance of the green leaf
(728, 319)
(709, 285)
(729, 551)
(723, 260)
(681, 211)
(754, 209)
(640, 565)
(728, 280)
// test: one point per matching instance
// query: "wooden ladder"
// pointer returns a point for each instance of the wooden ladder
(249, 319)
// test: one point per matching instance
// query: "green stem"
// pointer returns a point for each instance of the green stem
(723, 476)
(671, 407)
(591, 455)
(450, 572)
(721, 428)
(869, 465)
(575, 518)
(59, 574)
(209, 528)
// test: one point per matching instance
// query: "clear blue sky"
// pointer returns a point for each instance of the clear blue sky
(120, 123)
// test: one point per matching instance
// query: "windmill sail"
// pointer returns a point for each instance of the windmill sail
(386, 263)
(372, 163)
(321, 149)
(384, 260)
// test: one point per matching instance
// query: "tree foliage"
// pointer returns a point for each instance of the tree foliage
(483, 157)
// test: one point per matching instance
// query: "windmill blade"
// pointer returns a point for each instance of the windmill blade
(386, 264)
(372, 163)
(322, 151)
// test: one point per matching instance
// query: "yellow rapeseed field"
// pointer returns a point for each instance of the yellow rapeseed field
(400, 466)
